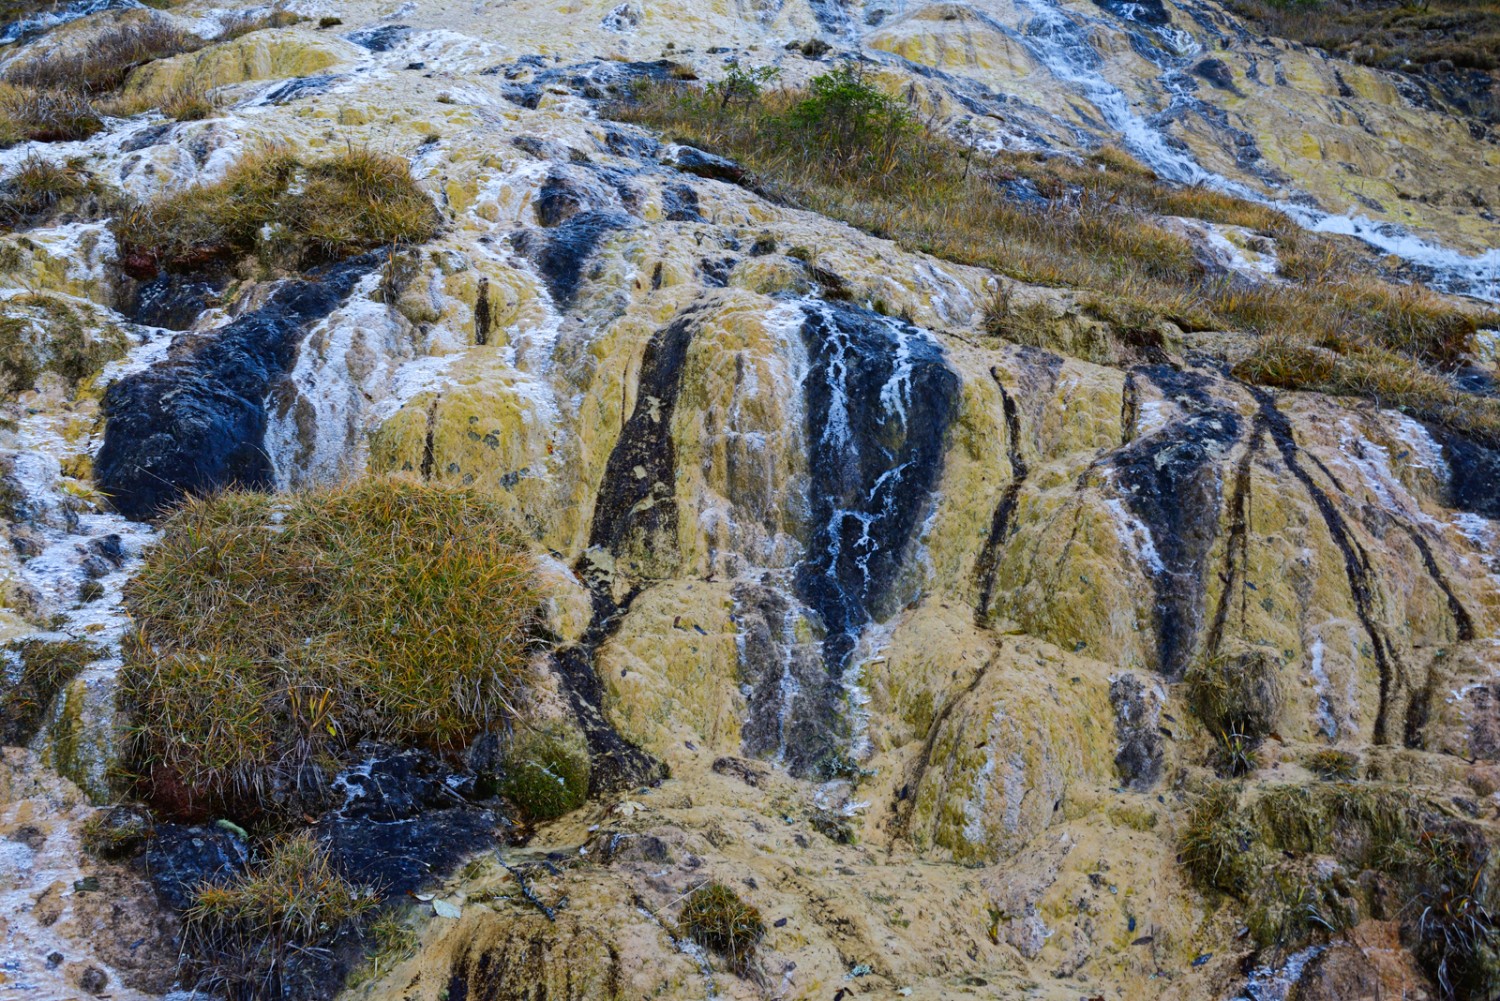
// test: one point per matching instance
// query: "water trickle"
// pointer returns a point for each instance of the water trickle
(1060, 41)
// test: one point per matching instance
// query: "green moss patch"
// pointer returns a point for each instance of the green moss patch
(43, 333)
(546, 773)
(276, 634)
(41, 669)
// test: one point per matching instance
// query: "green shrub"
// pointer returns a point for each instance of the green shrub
(546, 773)
(286, 212)
(715, 917)
(276, 634)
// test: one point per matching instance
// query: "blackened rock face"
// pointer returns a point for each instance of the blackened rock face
(181, 858)
(382, 39)
(561, 253)
(1172, 481)
(1137, 730)
(197, 422)
(407, 818)
(173, 301)
(1473, 472)
(1147, 12)
(879, 401)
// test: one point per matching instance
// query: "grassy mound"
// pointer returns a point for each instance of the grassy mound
(276, 634)
(845, 150)
(714, 916)
(286, 212)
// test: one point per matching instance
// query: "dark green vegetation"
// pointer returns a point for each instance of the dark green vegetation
(246, 931)
(45, 667)
(715, 917)
(1309, 861)
(546, 773)
(275, 634)
(286, 212)
(846, 150)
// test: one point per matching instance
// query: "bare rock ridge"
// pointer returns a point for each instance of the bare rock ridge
(879, 647)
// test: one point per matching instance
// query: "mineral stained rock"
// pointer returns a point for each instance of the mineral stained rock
(916, 638)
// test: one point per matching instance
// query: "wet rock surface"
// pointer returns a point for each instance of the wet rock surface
(197, 422)
(881, 622)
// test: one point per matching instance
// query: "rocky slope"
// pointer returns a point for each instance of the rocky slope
(904, 611)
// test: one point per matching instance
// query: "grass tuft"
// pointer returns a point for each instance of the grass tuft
(274, 635)
(286, 212)
(244, 931)
(715, 917)
(39, 190)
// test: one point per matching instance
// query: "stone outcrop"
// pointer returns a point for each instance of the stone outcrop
(877, 618)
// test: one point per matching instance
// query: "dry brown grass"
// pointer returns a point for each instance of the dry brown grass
(1096, 231)
(59, 96)
(275, 634)
(287, 212)
(1392, 34)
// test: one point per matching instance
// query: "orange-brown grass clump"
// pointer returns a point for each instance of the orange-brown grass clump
(286, 212)
(243, 932)
(277, 633)
(844, 149)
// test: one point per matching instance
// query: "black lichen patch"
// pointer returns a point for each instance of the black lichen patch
(791, 705)
(1474, 472)
(381, 39)
(1137, 732)
(1171, 480)
(635, 513)
(174, 302)
(879, 399)
(562, 253)
(408, 818)
(196, 423)
(1152, 13)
